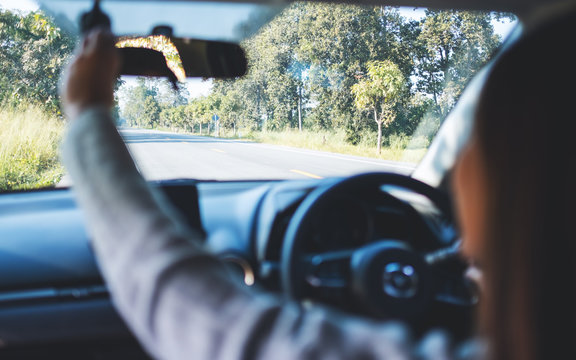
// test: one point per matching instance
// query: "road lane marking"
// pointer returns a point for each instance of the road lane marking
(218, 150)
(386, 163)
(306, 174)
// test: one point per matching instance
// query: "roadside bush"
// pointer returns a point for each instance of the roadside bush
(418, 142)
(29, 141)
(368, 139)
(396, 142)
(396, 146)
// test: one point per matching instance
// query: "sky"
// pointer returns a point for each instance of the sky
(501, 28)
(197, 87)
(24, 5)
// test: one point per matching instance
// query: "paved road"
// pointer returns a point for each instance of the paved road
(164, 155)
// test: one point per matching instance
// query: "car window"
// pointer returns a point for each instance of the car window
(331, 90)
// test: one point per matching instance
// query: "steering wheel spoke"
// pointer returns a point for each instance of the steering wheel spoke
(328, 270)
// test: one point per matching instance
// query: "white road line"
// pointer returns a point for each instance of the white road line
(334, 156)
(388, 163)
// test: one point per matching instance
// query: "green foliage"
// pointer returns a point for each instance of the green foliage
(452, 46)
(379, 93)
(138, 100)
(380, 89)
(29, 140)
(33, 51)
(366, 73)
(305, 65)
(150, 112)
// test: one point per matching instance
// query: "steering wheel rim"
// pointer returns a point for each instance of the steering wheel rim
(293, 240)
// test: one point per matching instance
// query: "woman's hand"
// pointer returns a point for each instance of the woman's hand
(89, 79)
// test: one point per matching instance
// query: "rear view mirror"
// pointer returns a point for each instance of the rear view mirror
(215, 59)
(145, 62)
(179, 58)
(163, 55)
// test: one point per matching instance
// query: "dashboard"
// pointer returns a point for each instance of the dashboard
(53, 299)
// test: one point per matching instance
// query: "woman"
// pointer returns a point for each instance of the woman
(514, 193)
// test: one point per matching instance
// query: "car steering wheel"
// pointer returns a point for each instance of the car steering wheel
(386, 278)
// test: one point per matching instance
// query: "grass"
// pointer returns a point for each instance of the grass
(29, 141)
(398, 148)
(335, 141)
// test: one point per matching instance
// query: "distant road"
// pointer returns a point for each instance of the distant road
(165, 155)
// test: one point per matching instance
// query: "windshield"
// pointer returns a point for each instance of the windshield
(331, 90)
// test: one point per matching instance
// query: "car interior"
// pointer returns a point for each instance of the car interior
(376, 245)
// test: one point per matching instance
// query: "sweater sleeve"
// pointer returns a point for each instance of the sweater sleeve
(175, 296)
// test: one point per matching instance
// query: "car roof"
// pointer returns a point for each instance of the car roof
(501, 5)
(515, 6)
(528, 11)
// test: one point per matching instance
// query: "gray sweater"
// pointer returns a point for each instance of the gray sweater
(176, 297)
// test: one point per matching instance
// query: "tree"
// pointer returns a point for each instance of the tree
(379, 93)
(167, 96)
(199, 110)
(134, 104)
(33, 51)
(151, 112)
(231, 108)
(450, 48)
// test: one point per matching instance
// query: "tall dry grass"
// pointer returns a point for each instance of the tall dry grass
(29, 141)
(399, 148)
(396, 148)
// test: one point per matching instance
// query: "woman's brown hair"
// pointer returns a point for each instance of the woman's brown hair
(525, 130)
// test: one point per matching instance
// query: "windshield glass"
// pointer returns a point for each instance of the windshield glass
(331, 90)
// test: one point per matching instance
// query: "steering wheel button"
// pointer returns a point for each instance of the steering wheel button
(399, 280)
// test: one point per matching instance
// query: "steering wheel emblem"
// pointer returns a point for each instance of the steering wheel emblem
(399, 280)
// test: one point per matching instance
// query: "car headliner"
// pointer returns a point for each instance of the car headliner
(199, 19)
(519, 7)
